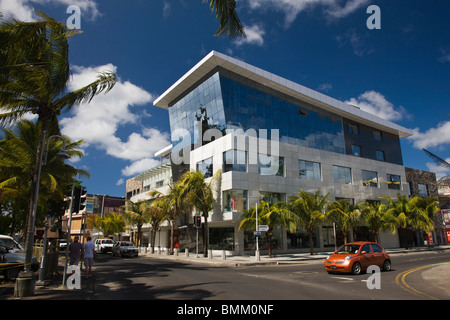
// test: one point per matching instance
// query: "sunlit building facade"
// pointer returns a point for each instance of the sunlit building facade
(272, 137)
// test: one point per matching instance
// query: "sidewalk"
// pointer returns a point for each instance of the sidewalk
(53, 290)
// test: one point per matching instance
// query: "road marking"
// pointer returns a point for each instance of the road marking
(401, 282)
(343, 278)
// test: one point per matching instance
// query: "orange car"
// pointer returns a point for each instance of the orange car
(356, 257)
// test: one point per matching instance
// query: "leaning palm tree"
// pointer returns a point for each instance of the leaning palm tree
(229, 23)
(34, 74)
(310, 210)
(201, 194)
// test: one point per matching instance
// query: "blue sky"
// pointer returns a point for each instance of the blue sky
(400, 72)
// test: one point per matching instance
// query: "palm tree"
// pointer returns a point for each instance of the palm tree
(134, 215)
(229, 23)
(17, 153)
(346, 215)
(403, 212)
(201, 195)
(272, 215)
(310, 210)
(112, 223)
(172, 204)
(34, 73)
(155, 216)
(374, 214)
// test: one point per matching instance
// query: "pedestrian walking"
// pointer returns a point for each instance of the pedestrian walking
(89, 247)
(75, 251)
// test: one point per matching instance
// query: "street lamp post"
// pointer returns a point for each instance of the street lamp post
(24, 283)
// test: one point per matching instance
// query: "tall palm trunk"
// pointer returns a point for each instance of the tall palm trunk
(34, 194)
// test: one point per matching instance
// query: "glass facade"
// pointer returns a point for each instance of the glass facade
(199, 110)
(249, 105)
(222, 101)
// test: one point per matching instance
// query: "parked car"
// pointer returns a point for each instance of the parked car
(11, 244)
(124, 248)
(12, 263)
(103, 245)
(356, 257)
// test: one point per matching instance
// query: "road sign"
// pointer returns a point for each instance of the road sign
(257, 234)
(263, 228)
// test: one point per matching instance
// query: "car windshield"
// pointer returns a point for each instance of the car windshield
(348, 248)
(107, 241)
(127, 244)
(9, 244)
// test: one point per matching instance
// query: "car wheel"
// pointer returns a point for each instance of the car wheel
(12, 274)
(387, 265)
(356, 268)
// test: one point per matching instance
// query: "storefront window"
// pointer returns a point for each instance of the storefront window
(221, 238)
(300, 239)
(234, 200)
(263, 241)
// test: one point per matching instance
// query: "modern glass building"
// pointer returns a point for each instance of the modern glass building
(272, 137)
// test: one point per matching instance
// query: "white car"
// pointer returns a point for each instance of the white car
(124, 248)
(10, 244)
(103, 245)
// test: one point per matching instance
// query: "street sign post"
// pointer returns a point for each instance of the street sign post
(263, 228)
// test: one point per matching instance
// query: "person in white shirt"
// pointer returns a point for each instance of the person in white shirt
(89, 256)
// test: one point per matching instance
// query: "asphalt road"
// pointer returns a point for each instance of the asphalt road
(414, 276)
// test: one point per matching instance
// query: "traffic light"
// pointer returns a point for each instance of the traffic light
(82, 199)
(79, 199)
(197, 221)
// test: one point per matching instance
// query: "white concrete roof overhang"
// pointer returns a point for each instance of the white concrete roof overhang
(214, 59)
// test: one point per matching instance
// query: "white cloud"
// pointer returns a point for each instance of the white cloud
(433, 137)
(292, 8)
(254, 35)
(445, 56)
(360, 48)
(23, 9)
(139, 166)
(375, 103)
(97, 123)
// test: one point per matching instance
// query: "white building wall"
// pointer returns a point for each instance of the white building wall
(290, 184)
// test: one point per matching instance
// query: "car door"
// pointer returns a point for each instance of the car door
(378, 255)
(367, 256)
